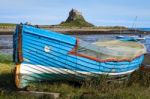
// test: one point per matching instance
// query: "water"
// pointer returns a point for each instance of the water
(94, 38)
(6, 41)
(144, 29)
(6, 44)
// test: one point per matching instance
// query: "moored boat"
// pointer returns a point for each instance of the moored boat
(46, 55)
(130, 38)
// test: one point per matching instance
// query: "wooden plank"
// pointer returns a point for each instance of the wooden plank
(51, 95)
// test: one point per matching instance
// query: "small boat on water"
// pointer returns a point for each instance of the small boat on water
(130, 38)
(46, 55)
(137, 36)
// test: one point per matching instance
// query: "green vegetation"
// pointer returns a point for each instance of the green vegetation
(6, 68)
(76, 23)
(137, 87)
(7, 25)
(113, 27)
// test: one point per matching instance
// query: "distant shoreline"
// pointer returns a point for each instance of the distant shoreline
(74, 32)
(77, 31)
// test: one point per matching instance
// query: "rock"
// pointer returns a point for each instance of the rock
(76, 19)
(74, 15)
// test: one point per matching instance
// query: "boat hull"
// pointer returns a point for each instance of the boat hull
(42, 55)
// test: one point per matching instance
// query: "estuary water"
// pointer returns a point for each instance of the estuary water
(6, 44)
(99, 37)
(6, 41)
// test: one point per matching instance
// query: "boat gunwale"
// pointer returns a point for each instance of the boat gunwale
(74, 52)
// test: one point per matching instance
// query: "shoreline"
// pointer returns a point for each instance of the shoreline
(79, 31)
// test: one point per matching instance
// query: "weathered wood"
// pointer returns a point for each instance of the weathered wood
(145, 68)
(51, 95)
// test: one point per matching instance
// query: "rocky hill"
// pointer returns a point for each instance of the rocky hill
(75, 19)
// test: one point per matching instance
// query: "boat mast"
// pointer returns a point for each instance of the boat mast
(134, 24)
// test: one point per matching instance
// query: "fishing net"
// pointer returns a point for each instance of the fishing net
(115, 49)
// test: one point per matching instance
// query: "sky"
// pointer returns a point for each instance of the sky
(97, 12)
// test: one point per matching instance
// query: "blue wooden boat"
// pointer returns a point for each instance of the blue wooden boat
(46, 55)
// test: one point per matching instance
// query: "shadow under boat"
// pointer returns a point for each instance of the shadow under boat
(146, 63)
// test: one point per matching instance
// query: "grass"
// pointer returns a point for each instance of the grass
(137, 87)
(76, 23)
(6, 67)
(7, 25)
